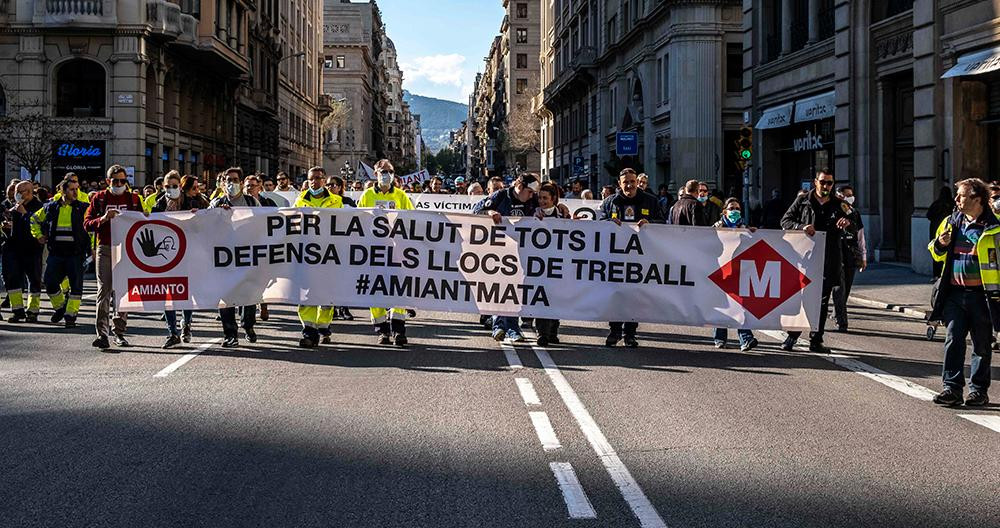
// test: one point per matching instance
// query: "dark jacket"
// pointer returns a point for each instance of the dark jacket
(506, 203)
(348, 201)
(642, 206)
(244, 200)
(81, 240)
(266, 202)
(19, 237)
(806, 210)
(688, 211)
(943, 285)
(187, 203)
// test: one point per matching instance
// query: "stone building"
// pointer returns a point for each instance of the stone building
(487, 111)
(300, 85)
(353, 73)
(257, 99)
(898, 97)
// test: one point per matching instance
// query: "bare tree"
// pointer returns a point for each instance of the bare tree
(29, 135)
(522, 133)
(335, 114)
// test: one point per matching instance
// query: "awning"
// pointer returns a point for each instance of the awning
(975, 63)
(777, 117)
(817, 107)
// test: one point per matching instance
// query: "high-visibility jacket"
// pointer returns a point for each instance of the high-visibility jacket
(62, 224)
(325, 200)
(396, 198)
(988, 253)
(80, 197)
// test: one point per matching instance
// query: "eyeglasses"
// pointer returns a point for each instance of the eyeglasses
(118, 182)
(171, 186)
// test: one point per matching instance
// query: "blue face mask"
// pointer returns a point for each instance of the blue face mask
(703, 199)
(316, 192)
(734, 216)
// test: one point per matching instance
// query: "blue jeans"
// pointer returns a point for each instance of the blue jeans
(171, 316)
(722, 334)
(507, 324)
(967, 314)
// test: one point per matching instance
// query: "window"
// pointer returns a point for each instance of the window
(522, 60)
(522, 86)
(522, 10)
(341, 62)
(613, 29)
(522, 36)
(666, 79)
(165, 158)
(659, 82)
(80, 89)
(328, 62)
(734, 68)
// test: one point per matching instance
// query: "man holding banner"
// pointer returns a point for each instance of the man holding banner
(629, 205)
(316, 319)
(386, 195)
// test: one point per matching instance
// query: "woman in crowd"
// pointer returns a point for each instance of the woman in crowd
(732, 218)
(549, 207)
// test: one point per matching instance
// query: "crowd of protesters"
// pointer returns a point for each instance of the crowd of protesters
(49, 236)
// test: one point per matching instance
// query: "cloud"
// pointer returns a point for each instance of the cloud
(436, 69)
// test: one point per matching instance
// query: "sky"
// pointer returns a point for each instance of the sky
(441, 43)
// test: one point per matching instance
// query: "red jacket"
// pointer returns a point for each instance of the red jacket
(104, 200)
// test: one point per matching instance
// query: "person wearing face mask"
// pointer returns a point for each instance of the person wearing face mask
(821, 210)
(711, 206)
(179, 194)
(687, 210)
(517, 200)
(386, 195)
(103, 208)
(732, 218)
(549, 207)
(234, 196)
(59, 226)
(316, 319)
(629, 205)
(21, 254)
(854, 251)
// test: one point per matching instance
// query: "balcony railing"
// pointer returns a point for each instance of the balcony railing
(163, 17)
(74, 7)
(70, 12)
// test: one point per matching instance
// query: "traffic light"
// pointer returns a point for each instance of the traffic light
(744, 145)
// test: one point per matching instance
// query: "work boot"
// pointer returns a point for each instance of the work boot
(383, 331)
(101, 343)
(631, 342)
(398, 327)
(613, 339)
(31, 317)
(345, 313)
(306, 342)
(58, 314)
(69, 321)
(18, 316)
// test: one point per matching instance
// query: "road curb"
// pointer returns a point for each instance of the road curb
(900, 309)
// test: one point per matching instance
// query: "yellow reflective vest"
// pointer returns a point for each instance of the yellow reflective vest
(326, 200)
(394, 199)
(987, 251)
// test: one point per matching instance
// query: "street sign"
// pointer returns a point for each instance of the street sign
(578, 166)
(627, 144)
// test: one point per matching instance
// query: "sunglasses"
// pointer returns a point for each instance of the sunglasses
(826, 183)
(118, 182)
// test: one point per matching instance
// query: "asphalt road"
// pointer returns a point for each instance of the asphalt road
(457, 431)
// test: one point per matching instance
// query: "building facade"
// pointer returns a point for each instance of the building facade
(299, 85)
(897, 97)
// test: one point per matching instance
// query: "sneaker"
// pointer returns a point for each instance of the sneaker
(383, 339)
(251, 335)
(498, 335)
(399, 340)
(819, 348)
(948, 397)
(977, 399)
(631, 342)
(31, 317)
(326, 340)
(305, 342)
(749, 345)
(515, 337)
(101, 343)
(186, 333)
(346, 314)
(172, 341)
(230, 342)
(69, 321)
(58, 315)
(720, 344)
(485, 321)
(788, 344)
(542, 341)
(612, 339)
(120, 341)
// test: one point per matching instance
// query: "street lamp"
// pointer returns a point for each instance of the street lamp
(347, 172)
(292, 56)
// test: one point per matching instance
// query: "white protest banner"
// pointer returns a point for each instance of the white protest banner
(461, 203)
(560, 269)
(416, 177)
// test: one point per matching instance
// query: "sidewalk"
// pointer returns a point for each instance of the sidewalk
(893, 287)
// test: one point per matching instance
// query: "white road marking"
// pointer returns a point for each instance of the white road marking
(985, 420)
(543, 428)
(894, 382)
(527, 391)
(627, 485)
(511, 354)
(90, 297)
(184, 359)
(577, 503)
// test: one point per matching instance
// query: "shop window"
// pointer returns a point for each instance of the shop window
(80, 89)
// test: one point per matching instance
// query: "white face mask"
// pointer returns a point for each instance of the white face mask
(549, 210)
(18, 198)
(173, 194)
(234, 188)
(849, 200)
(384, 180)
(117, 190)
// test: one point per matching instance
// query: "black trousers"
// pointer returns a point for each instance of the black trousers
(842, 292)
(248, 318)
(629, 328)
(547, 327)
(824, 309)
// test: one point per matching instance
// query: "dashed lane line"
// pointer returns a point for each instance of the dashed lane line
(513, 360)
(526, 389)
(577, 503)
(184, 359)
(543, 428)
(627, 485)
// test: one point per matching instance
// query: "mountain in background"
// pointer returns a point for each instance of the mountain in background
(438, 118)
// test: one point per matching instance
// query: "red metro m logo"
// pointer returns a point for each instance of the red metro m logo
(759, 279)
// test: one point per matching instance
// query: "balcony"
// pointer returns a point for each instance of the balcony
(189, 30)
(574, 80)
(74, 12)
(163, 18)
